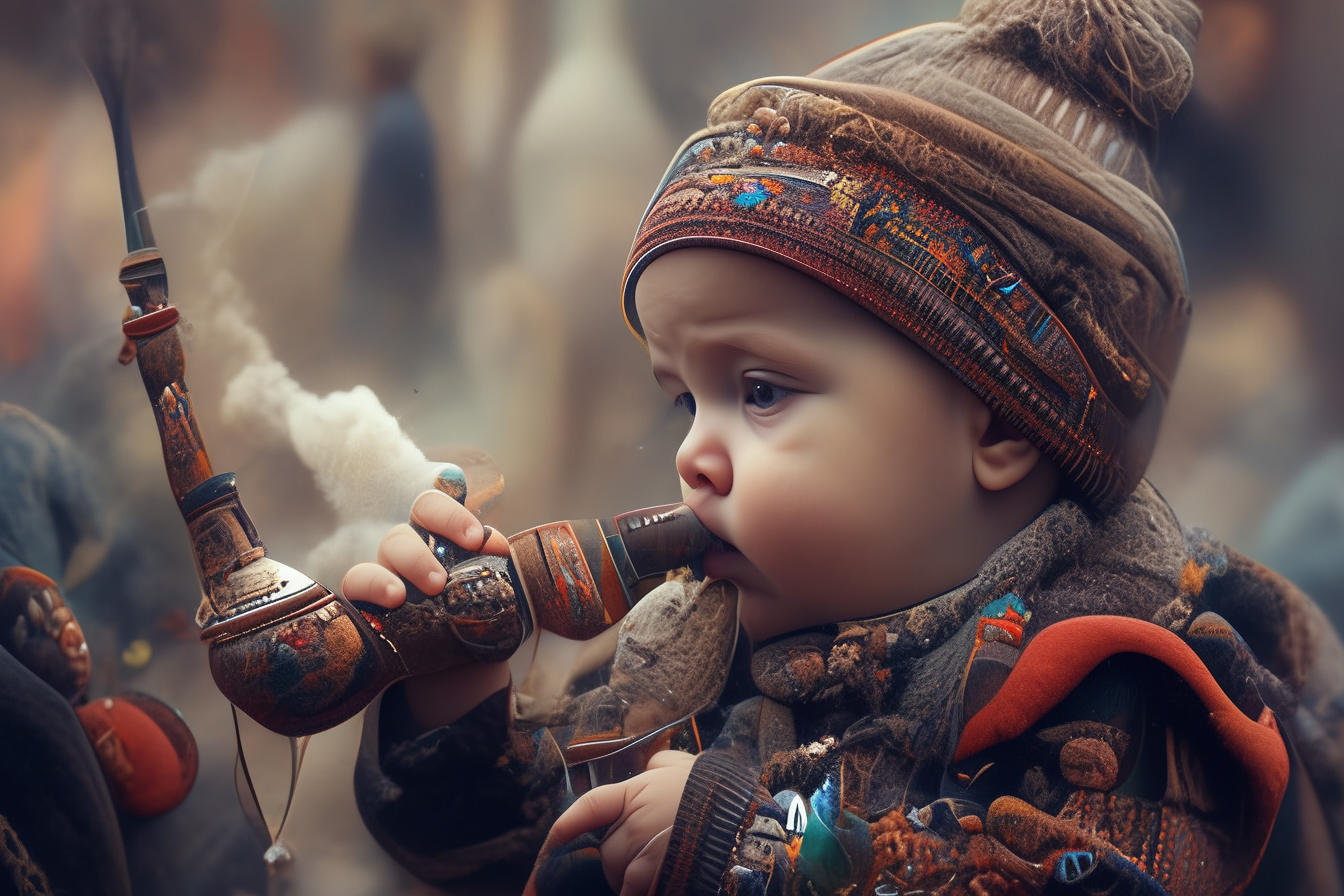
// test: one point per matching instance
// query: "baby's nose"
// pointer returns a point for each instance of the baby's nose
(703, 461)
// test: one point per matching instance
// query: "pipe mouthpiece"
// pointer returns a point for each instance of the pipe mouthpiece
(661, 538)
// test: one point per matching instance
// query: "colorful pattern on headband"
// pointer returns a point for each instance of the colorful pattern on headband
(896, 249)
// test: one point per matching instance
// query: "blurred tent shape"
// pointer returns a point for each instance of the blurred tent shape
(589, 152)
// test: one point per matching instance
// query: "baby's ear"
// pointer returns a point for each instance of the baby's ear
(1002, 457)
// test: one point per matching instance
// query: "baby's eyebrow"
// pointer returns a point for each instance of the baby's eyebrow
(734, 339)
(768, 347)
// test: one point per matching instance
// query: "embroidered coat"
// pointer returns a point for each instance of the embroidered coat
(1111, 705)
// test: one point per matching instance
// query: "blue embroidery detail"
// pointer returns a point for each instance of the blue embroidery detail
(751, 197)
(998, 609)
(1073, 866)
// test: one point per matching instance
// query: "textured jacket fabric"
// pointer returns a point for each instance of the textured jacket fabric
(58, 827)
(1110, 705)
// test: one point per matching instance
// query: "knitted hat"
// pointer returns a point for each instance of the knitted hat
(984, 186)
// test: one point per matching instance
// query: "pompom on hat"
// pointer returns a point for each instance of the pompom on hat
(984, 186)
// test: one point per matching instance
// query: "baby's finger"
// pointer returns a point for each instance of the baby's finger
(597, 808)
(496, 544)
(641, 875)
(440, 514)
(404, 552)
(373, 584)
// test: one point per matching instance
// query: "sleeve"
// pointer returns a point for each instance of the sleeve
(478, 797)
(473, 799)
(729, 833)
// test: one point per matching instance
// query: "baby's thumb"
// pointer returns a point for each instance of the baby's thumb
(641, 875)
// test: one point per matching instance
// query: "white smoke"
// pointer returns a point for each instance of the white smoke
(366, 467)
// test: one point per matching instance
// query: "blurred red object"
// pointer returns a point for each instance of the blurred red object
(146, 750)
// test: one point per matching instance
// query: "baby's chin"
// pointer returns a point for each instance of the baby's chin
(761, 616)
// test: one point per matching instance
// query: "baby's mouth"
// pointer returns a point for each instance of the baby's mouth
(720, 546)
(721, 558)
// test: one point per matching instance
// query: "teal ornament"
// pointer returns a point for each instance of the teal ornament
(452, 481)
(822, 858)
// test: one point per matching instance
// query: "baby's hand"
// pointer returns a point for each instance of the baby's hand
(443, 697)
(404, 553)
(640, 813)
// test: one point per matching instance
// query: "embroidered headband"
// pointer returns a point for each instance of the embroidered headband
(904, 255)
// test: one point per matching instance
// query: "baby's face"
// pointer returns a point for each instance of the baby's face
(833, 454)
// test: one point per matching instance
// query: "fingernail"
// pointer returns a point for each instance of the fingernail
(473, 534)
(437, 581)
(390, 591)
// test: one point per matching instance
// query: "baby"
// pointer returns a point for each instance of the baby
(923, 312)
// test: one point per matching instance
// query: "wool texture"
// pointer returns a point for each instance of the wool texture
(984, 186)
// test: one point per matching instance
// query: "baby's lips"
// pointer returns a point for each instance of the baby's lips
(706, 564)
(724, 561)
(721, 546)
(717, 541)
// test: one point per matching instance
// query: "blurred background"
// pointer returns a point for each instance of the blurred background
(433, 199)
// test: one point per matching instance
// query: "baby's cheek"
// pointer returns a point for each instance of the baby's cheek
(845, 549)
(775, 516)
(797, 536)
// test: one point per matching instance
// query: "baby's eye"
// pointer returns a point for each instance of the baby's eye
(764, 395)
(685, 400)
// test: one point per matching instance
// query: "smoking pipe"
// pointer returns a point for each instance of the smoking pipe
(288, 651)
(299, 658)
